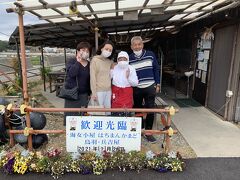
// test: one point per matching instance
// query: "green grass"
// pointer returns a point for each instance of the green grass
(33, 84)
(35, 60)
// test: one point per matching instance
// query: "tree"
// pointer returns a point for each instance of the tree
(3, 45)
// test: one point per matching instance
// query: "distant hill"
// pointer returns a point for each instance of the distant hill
(3, 45)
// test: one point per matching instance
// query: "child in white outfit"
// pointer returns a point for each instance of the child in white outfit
(123, 78)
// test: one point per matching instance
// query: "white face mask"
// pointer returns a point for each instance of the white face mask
(106, 54)
(138, 53)
(123, 64)
(85, 55)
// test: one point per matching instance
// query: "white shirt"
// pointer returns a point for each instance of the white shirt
(119, 78)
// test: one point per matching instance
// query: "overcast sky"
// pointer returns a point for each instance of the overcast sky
(9, 21)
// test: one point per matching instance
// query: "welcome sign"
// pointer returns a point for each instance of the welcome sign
(99, 133)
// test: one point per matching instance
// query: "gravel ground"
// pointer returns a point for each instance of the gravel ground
(178, 143)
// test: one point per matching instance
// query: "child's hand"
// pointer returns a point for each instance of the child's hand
(127, 73)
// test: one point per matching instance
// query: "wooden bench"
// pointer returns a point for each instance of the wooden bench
(56, 78)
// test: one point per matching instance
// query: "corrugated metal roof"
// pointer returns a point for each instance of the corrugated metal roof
(64, 28)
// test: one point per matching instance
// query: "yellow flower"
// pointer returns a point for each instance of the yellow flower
(22, 169)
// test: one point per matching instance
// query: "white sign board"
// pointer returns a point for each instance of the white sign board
(99, 133)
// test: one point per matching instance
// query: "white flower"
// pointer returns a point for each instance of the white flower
(2, 154)
(172, 154)
(75, 156)
(33, 166)
(25, 153)
(150, 155)
(99, 154)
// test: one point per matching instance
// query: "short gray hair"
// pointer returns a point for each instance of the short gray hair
(134, 38)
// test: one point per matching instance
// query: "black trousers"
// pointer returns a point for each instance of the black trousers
(81, 102)
(148, 95)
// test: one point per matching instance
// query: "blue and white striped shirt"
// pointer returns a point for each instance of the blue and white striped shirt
(147, 68)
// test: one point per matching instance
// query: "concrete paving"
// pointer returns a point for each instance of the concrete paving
(206, 133)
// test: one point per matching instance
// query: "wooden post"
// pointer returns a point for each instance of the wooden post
(43, 69)
(19, 62)
(168, 139)
(24, 73)
(231, 83)
(96, 36)
(65, 56)
(233, 103)
(11, 136)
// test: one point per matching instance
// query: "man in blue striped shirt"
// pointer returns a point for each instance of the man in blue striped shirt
(148, 73)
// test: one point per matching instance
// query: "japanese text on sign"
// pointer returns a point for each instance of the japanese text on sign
(98, 133)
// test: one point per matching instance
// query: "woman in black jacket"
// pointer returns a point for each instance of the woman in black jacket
(78, 74)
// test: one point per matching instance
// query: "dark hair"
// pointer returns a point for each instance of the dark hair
(100, 47)
(82, 45)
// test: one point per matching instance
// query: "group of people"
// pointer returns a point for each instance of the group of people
(132, 82)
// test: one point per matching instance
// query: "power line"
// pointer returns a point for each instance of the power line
(4, 34)
(13, 1)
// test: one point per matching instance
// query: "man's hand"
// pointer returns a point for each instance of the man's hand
(157, 88)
